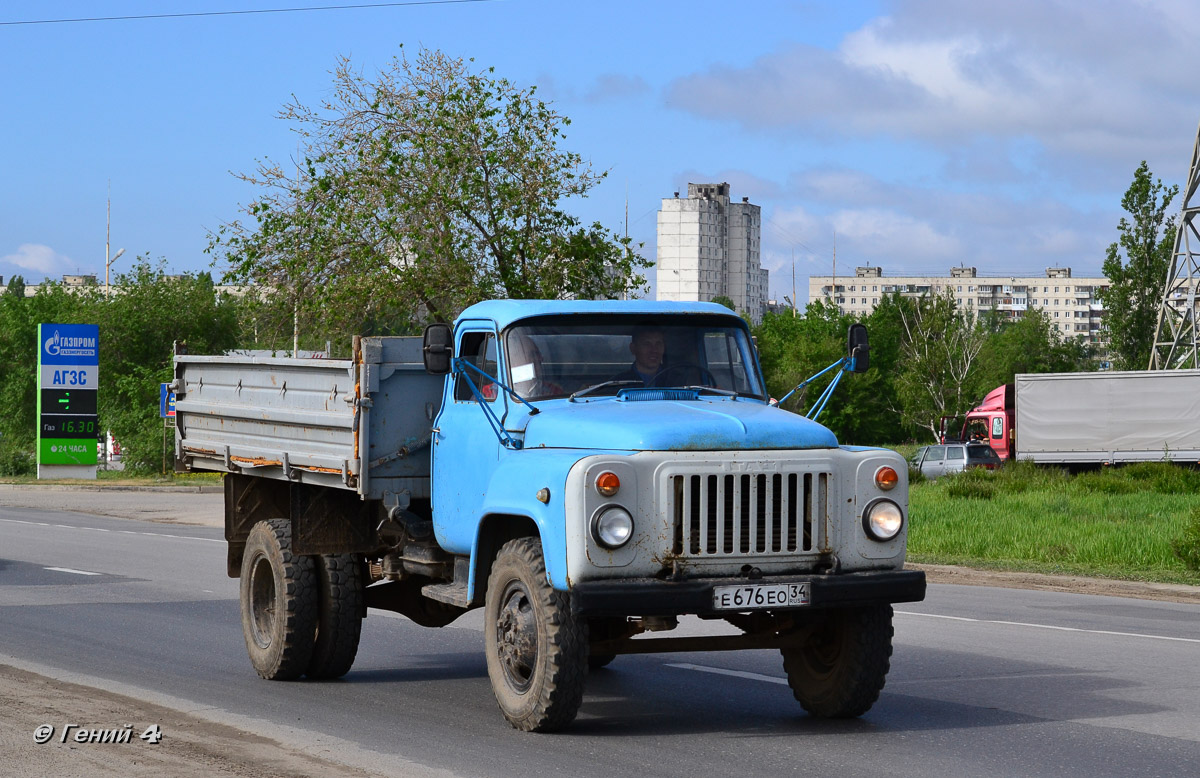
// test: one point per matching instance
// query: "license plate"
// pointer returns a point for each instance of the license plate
(754, 596)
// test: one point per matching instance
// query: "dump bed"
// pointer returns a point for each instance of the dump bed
(361, 424)
(1110, 417)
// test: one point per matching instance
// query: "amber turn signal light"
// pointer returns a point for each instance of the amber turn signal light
(886, 478)
(608, 484)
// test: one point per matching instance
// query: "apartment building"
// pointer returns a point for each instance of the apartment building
(1071, 302)
(709, 247)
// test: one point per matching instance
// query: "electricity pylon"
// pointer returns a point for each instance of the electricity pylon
(1175, 341)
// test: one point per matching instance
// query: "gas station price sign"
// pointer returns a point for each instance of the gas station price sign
(68, 377)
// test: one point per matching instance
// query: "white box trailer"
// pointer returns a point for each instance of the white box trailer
(1108, 418)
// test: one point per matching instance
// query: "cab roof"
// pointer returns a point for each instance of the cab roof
(505, 312)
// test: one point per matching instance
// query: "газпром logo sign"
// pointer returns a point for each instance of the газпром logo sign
(57, 345)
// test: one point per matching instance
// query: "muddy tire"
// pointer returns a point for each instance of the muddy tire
(841, 669)
(339, 615)
(537, 651)
(278, 592)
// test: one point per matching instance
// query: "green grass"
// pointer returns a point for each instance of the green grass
(1116, 523)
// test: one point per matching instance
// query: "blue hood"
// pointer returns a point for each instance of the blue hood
(665, 425)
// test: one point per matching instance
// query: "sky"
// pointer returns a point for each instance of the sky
(913, 135)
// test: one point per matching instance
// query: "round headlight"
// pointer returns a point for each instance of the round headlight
(886, 478)
(608, 484)
(882, 520)
(613, 527)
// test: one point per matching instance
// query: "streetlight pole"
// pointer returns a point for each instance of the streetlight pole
(108, 260)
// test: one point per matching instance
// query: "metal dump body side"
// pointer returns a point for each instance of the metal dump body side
(1111, 417)
(360, 424)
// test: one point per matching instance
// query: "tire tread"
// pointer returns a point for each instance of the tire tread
(561, 692)
(289, 660)
(859, 679)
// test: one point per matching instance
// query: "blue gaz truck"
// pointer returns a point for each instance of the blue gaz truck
(586, 472)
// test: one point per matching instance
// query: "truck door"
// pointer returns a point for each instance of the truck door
(999, 436)
(465, 447)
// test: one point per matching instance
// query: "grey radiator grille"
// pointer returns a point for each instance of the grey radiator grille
(725, 515)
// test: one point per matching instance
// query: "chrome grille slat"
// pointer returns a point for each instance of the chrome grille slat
(747, 514)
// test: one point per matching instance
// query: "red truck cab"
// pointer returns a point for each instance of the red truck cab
(991, 422)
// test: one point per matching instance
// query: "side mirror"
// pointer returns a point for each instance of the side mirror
(860, 349)
(438, 348)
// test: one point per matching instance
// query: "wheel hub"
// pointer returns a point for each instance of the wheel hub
(262, 602)
(516, 637)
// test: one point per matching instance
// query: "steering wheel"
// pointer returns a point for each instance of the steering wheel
(706, 378)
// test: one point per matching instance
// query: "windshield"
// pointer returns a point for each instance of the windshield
(558, 356)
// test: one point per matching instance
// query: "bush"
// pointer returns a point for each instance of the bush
(15, 460)
(1157, 477)
(1021, 477)
(1107, 481)
(972, 485)
(1187, 545)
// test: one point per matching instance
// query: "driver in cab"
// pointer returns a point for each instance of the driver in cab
(648, 345)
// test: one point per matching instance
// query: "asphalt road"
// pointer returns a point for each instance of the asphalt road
(984, 681)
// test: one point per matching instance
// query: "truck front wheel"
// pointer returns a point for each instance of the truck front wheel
(537, 651)
(278, 592)
(840, 670)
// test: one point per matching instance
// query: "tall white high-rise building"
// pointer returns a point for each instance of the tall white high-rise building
(709, 247)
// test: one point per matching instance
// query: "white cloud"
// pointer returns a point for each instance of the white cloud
(37, 258)
(910, 229)
(1111, 80)
(881, 234)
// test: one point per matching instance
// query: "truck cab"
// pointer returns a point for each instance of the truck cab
(990, 423)
(545, 398)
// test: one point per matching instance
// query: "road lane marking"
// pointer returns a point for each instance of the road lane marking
(71, 570)
(734, 673)
(1050, 626)
(121, 531)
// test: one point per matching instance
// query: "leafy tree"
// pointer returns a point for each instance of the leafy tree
(436, 185)
(1030, 344)
(727, 302)
(16, 287)
(939, 374)
(146, 313)
(793, 348)
(1147, 240)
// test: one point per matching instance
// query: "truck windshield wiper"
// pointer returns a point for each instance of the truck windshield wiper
(602, 384)
(713, 389)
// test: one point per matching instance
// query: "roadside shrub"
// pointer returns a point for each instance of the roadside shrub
(15, 460)
(1187, 545)
(972, 485)
(1021, 477)
(1166, 478)
(1107, 481)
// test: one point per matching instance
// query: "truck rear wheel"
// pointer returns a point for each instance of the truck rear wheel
(537, 650)
(278, 592)
(841, 669)
(339, 615)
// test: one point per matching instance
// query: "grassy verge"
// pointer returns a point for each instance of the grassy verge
(1122, 523)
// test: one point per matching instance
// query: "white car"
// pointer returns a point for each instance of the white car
(934, 461)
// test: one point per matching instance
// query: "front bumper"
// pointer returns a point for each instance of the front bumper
(654, 597)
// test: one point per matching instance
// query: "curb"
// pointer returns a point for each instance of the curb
(1107, 587)
(200, 489)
